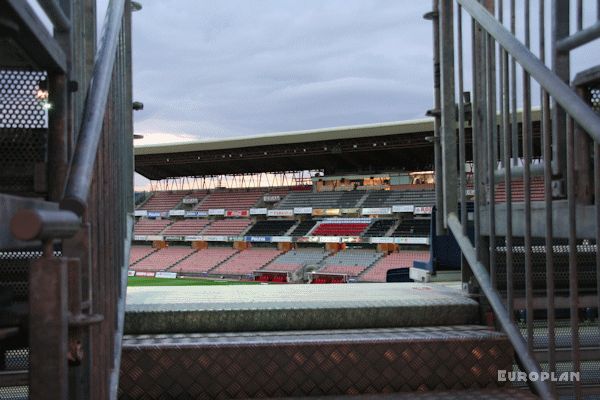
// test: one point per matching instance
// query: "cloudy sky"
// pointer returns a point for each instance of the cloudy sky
(215, 69)
(207, 69)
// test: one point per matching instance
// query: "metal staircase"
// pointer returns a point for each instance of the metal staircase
(297, 341)
(65, 197)
(535, 263)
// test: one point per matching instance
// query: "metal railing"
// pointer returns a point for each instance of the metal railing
(76, 301)
(534, 257)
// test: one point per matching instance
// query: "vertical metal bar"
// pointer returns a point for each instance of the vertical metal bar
(513, 91)
(75, 335)
(448, 110)
(491, 139)
(527, 137)
(500, 120)
(506, 133)
(78, 247)
(87, 50)
(461, 125)
(547, 159)
(439, 173)
(48, 327)
(466, 273)
(579, 15)
(112, 240)
(478, 132)
(573, 277)
(125, 188)
(560, 66)
(106, 246)
(57, 140)
(597, 200)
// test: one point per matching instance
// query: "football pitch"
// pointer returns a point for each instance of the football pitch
(142, 281)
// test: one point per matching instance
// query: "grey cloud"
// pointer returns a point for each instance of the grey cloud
(229, 68)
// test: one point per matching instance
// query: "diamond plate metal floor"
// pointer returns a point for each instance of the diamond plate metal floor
(477, 394)
(196, 309)
(312, 363)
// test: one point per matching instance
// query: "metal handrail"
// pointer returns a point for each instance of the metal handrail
(58, 18)
(82, 165)
(579, 38)
(32, 224)
(493, 297)
(571, 115)
(574, 105)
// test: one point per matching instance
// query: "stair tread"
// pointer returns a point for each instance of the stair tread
(268, 308)
(474, 394)
(380, 335)
(315, 363)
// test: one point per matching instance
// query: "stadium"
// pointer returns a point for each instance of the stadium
(449, 257)
(348, 216)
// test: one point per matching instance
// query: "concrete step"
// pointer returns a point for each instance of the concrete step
(197, 309)
(312, 363)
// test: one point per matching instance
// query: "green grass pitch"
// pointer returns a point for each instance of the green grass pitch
(143, 281)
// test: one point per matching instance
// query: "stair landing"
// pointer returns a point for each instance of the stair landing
(269, 341)
(241, 308)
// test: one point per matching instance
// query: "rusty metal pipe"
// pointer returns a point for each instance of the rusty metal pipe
(44, 224)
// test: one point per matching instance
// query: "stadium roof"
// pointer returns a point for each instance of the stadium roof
(373, 148)
(336, 133)
(361, 148)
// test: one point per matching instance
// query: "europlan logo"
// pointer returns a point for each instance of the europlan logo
(520, 376)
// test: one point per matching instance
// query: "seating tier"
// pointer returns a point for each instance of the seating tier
(271, 228)
(353, 257)
(400, 259)
(227, 227)
(389, 198)
(204, 260)
(163, 201)
(379, 228)
(163, 259)
(339, 229)
(186, 227)
(150, 226)
(410, 227)
(518, 190)
(246, 262)
(304, 227)
(298, 258)
(138, 252)
(231, 200)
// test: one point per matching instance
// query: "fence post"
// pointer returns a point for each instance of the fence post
(48, 328)
(448, 110)
(560, 66)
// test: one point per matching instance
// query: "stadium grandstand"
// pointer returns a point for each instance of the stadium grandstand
(320, 206)
(341, 209)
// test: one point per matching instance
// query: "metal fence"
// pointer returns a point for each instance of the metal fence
(534, 255)
(67, 190)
